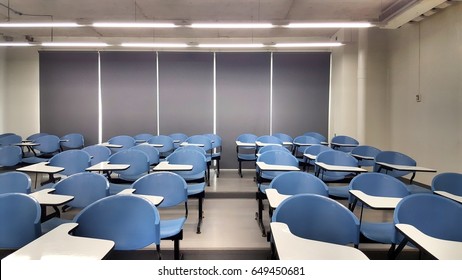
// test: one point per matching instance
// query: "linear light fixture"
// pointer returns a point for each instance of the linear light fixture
(15, 44)
(74, 44)
(38, 24)
(230, 46)
(134, 25)
(307, 45)
(232, 25)
(329, 25)
(154, 45)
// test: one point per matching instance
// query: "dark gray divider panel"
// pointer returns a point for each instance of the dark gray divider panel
(128, 93)
(69, 93)
(301, 92)
(243, 99)
(186, 93)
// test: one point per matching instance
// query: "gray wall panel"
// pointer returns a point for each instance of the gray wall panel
(128, 93)
(301, 93)
(69, 93)
(186, 93)
(243, 99)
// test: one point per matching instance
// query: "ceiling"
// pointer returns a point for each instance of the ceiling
(189, 11)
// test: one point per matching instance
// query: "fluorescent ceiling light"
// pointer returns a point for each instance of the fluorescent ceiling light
(15, 44)
(232, 25)
(74, 44)
(307, 45)
(38, 24)
(241, 46)
(154, 45)
(329, 25)
(134, 25)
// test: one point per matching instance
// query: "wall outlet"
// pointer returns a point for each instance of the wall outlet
(418, 98)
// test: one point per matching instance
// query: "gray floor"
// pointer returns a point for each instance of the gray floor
(230, 230)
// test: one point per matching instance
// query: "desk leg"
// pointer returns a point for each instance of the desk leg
(412, 178)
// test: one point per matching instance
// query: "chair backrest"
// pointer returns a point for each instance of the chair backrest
(216, 140)
(125, 140)
(138, 161)
(394, 158)
(132, 222)
(432, 214)
(303, 139)
(72, 141)
(172, 187)
(86, 187)
(143, 137)
(367, 151)
(98, 153)
(284, 137)
(201, 139)
(247, 138)
(48, 144)
(379, 184)
(316, 149)
(151, 152)
(319, 218)
(277, 158)
(15, 182)
(344, 139)
(450, 182)
(73, 161)
(34, 136)
(10, 155)
(245, 151)
(273, 148)
(10, 139)
(166, 141)
(316, 135)
(269, 139)
(178, 138)
(19, 220)
(291, 183)
(193, 157)
(334, 157)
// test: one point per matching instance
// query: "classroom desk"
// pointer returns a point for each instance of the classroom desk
(166, 166)
(398, 167)
(361, 157)
(337, 168)
(191, 144)
(58, 244)
(106, 166)
(156, 200)
(292, 247)
(439, 248)
(245, 144)
(275, 198)
(46, 198)
(340, 145)
(262, 144)
(374, 202)
(29, 145)
(42, 167)
(276, 167)
(457, 198)
(155, 145)
(113, 146)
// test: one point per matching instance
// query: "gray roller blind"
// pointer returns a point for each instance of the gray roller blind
(69, 93)
(301, 92)
(128, 93)
(186, 93)
(243, 98)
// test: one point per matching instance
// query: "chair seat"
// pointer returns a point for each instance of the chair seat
(339, 191)
(417, 189)
(53, 223)
(115, 188)
(169, 228)
(379, 232)
(196, 188)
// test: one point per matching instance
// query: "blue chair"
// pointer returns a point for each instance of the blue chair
(172, 187)
(394, 157)
(139, 166)
(343, 139)
(19, 220)
(178, 138)
(450, 182)
(85, 187)
(195, 178)
(167, 143)
(314, 150)
(72, 141)
(267, 139)
(318, 218)
(98, 153)
(143, 137)
(334, 157)
(434, 215)
(296, 182)
(130, 221)
(206, 144)
(381, 185)
(245, 154)
(10, 139)
(300, 144)
(285, 138)
(125, 140)
(273, 148)
(15, 182)
(10, 156)
(217, 149)
(316, 135)
(34, 136)
(365, 154)
(48, 146)
(73, 161)
(151, 152)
